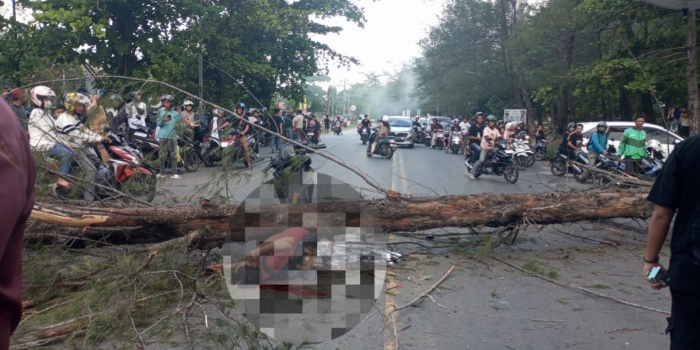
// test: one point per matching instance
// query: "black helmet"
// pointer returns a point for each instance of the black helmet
(571, 125)
(603, 124)
(490, 118)
(240, 105)
(479, 113)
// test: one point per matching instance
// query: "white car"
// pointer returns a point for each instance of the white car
(654, 132)
(401, 130)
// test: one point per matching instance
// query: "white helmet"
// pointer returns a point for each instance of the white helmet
(385, 118)
(188, 103)
(39, 93)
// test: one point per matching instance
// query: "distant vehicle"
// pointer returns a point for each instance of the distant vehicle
(667, 139)
(401, 130)
(445, 121)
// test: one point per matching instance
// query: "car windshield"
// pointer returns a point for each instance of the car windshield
(401, 123)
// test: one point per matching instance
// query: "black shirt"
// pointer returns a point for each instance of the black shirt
(476, 131)
(21, 114)
(366, 123)
(275, 124)
(576, 139)
(676, 188)
(437, 127)
(564, 141)
(416, 124)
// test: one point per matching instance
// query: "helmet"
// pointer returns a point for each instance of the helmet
(75, 99)
(571, 125)
(479, 113)
(456, 121)
(603, 124)
(240, 105)
(39, 93)
(134, 93)
(167, 97)
(385, 118)
(188, 103)
(16, 93)
(490, 118)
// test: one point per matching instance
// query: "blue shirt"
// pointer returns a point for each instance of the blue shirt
(167, 129)
(598, 143)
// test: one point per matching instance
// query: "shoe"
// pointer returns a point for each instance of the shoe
(471, 176)
(176, 176)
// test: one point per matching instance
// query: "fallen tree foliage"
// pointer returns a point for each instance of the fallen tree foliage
(212, 221)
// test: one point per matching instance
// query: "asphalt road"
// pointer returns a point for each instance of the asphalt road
(420, 171)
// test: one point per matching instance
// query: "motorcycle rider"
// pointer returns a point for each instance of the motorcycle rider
(475, 133)
(136, 110)
(575, 141)
(570, 129)
(42, 130)
(540, 134)
(464, 126)
(597, 145)
(365, 123)
(383, 131)
(75, 132)
(434, 130)
(490, 135)
(217, 118)
(455, 128)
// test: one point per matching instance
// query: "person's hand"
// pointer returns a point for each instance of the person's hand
(106, 140)
(647, 269)
(253, 258)
(651, 159)
(605, 153)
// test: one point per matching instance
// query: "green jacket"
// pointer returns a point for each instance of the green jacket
(633, 144)
(167, 129)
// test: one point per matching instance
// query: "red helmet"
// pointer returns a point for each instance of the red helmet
(16, 93)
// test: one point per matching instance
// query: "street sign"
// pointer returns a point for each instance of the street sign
(515, 115)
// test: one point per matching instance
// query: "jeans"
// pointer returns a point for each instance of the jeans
(288, 133)
(683, 325)
(482, 158)
(274, 142)
(66, 154)
(475, 151)
(592, 157)
(168, 146)
(87, 160)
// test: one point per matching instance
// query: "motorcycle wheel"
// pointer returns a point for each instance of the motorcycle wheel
(602, 180)
(530, 161)
(477, 173)
(368, 153)
(141, 186)
(455, 149)
(558, 168)
(364, 141)
(191, 161)
(539, 155)
(579, 177)
(208, 158)
(521, 162)
(510, 173)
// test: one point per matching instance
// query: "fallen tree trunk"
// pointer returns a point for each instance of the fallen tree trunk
(158, 224)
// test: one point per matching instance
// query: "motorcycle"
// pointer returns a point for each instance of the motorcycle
(364, 135)
(440, 139)
(124, 172)
(288, 169)
(524, 157)
(385, 147)
(418, 135)
(540, 149)
(311, 137)
(561, 165)
(456, 142)
(337, 129)
(500, 163)
(187, 156)
(228, 147)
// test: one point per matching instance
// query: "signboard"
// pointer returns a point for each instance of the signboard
(515, 115)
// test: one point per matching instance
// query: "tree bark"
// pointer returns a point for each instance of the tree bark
(158, 224)
(692, 75)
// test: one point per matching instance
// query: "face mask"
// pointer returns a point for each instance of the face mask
(47, 104)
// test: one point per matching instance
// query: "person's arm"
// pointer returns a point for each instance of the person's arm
(623, 144)
(569, 143)
(160, 117)
(658, 230)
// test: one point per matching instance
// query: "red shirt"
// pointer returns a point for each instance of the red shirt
(17, 176)
(276, 263)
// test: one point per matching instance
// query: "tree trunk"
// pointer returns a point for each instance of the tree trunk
(648, 107)
(692, 75)
(526, 96)
(625, 107)
(158, 224)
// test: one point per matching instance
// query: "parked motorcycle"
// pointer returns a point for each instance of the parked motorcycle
(187, 156)
(364, 135)
(288, 170)
(523, 156)
(500, 163)
(561, 165)
(311, 137)
(540, 149)
(385, 147)
(228, 147)
(456, 142)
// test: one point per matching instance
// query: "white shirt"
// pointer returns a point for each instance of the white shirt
(135, 123)
(214, 125)
(42, 130)
(75, 132)
(465, 127)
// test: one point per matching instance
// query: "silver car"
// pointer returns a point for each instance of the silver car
(402, 130)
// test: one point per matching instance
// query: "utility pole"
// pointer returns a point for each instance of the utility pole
(345, 98)
(201, 65)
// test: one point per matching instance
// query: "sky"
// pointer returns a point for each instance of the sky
(389, 39)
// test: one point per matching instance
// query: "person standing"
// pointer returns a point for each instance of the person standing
(327, 122)
(276, 126)
(288, 129)
(298, 126)
(633, 146)
(17, 177)
(675, 191)
(685, 123)
(17, 105)
(168, 119)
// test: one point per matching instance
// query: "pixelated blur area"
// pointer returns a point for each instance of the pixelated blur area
(305, 262)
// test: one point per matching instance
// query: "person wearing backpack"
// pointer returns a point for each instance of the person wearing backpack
(597, 145)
